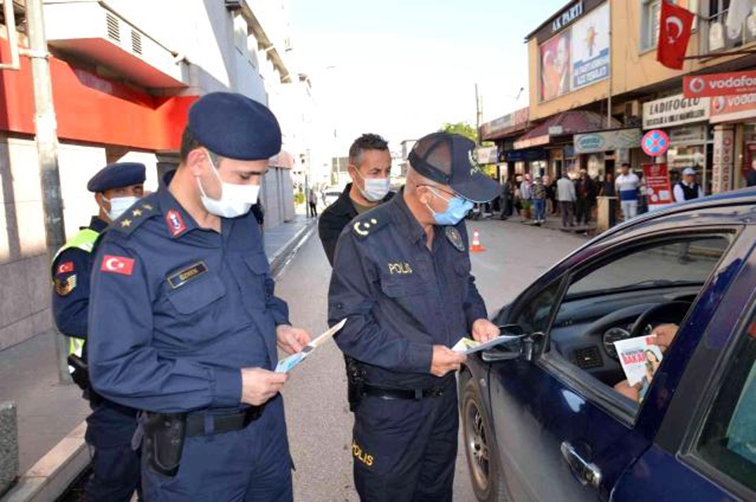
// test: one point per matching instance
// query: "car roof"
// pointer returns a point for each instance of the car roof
(742, 197)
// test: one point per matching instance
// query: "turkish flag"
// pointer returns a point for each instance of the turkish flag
(674, 34)
(117, 265)
(66, 267)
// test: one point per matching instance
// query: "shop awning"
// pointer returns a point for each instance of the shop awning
(563, 124)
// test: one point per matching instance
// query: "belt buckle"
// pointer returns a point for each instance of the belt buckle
(418, 394)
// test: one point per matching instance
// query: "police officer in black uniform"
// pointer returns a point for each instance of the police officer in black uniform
(184, 323)
(115, 465)
(402, 278)
(369, 167)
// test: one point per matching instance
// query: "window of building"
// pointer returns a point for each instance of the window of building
(651, 12)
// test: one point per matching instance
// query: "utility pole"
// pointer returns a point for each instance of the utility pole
(47, 150)
(611, 69)
(478, 113)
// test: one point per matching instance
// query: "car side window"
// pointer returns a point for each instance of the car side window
(728, 438)
(533, 315)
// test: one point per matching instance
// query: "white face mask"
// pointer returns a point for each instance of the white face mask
(376, 189)
(236, 200)
(119, 205)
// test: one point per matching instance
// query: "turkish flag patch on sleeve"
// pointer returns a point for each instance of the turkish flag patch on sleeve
(117, 264)
(65, 268)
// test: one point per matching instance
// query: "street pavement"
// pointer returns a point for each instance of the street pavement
(318, 417)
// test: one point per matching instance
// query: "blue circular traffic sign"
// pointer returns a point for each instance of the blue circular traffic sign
(655, 143)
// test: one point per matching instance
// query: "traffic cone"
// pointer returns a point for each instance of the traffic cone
(476, 247)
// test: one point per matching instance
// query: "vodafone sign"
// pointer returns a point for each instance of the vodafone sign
(720, 84)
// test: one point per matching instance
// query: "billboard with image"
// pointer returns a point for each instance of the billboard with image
(590, 48)
(576, 57)
(555, 66)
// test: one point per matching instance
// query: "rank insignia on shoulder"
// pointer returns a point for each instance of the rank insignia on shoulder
(363, 227)
(133, 218)
(178, 279)
(452, 234)
(63, 287)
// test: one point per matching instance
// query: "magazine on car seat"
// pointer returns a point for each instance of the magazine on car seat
(640, 358)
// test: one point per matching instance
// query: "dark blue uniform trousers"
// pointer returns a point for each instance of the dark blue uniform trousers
(115, 465)
(405, 450)
(251, 464)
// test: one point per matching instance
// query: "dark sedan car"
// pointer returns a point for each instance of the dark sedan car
(543, 419)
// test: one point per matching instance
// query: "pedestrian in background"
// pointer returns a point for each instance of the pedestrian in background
(110, 426)
(313, 203)
(585, 192)
(566, 195)
(751, 178)
(526, 194)
(539, 201)
(627, 185)
(506, 200)
(687, 188)
(607, 187)
(184, 322)
(370, 169)
(402, 280)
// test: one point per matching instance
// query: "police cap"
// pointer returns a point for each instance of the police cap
(118, 175)
(448, 159)
(235, 126)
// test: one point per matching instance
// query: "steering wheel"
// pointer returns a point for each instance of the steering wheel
(672, 312)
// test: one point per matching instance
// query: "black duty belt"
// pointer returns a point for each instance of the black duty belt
(381, 392)
(195, 422)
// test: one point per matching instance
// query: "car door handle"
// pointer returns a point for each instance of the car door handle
(587, 473)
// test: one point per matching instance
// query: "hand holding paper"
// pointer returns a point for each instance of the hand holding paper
(285, 365)
(469, 346)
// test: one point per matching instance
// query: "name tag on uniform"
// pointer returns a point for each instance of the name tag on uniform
(188, 274)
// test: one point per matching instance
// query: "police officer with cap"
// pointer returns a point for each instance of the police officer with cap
(110, 427)
(184, 323)
(401, 278)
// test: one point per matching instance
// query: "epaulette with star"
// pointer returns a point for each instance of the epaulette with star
(135, 216)
(369, 223)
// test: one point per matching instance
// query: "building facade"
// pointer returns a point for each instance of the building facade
(124, 74)
(596, 87)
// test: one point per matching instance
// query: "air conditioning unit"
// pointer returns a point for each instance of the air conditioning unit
(632, 109)
(98, 35)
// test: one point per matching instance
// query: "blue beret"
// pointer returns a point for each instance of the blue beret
(235, 126)
(118, 175)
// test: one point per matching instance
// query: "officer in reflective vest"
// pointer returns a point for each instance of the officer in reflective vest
(111, 426)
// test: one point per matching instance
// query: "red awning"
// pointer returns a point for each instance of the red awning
(563, 124)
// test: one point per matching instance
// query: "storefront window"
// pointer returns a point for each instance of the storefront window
(681, 157)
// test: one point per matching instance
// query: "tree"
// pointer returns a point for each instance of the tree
(462, 128)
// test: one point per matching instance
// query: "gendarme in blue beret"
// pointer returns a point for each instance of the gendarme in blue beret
(235, 126)
(118, 175)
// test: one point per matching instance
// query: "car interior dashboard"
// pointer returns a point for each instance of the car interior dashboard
(585, 329)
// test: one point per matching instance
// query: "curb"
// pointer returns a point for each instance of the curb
(52, 475)
(280, 258)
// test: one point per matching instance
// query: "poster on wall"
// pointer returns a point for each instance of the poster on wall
(555, 66)
(590, 48)
(658, 187)
(576, 57)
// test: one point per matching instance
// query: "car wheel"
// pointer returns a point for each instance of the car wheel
(486, 475)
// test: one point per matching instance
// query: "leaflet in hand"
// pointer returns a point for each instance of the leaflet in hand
(639, 358)
(285, 365)
(469, 346)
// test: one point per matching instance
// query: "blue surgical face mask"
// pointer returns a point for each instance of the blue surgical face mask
(455, 212)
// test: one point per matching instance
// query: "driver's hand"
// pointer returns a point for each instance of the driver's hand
(665, 334)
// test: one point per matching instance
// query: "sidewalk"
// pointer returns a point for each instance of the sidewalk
(48, 412)
(553, 222)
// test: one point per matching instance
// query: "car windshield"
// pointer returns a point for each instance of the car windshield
(671, 265)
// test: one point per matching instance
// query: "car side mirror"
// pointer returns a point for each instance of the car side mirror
(526, 347)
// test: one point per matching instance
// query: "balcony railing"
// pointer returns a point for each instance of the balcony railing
(720, 39)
